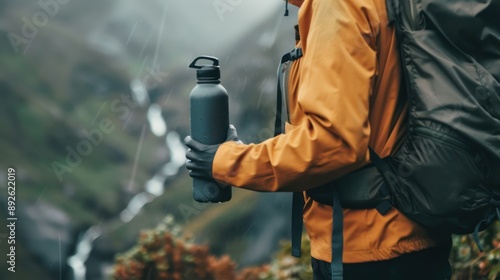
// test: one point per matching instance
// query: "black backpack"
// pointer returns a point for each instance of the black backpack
(446, 175)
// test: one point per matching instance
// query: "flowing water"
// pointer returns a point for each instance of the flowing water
(153, 188)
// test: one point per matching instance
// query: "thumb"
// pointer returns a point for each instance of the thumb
(193, 144)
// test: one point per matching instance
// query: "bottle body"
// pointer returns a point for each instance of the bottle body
(209, 124)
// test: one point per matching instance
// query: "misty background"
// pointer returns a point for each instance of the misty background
(95, 104)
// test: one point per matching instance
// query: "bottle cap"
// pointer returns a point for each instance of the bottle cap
(207, 73)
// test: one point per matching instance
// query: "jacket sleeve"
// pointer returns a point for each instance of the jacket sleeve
(331, 137)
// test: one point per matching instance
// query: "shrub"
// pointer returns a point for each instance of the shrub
(469, 263)
(163, 254)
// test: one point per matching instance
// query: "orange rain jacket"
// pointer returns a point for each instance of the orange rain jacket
(342, 97)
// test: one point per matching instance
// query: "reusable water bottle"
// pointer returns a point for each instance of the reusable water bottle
(209, 122)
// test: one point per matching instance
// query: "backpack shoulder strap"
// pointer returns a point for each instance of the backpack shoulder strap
(391, 11)
(404, 13)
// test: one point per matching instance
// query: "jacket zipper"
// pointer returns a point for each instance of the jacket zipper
(442, 137)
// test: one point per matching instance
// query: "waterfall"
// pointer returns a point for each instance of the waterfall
(153, 188)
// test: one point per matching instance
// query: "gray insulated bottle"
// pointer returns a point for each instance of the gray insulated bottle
(209, 122)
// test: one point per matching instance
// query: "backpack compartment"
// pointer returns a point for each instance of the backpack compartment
(446, 81)
(440, 181)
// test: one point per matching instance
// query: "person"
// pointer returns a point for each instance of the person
(343, 97)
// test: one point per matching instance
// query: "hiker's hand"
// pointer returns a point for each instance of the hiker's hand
(200, 156)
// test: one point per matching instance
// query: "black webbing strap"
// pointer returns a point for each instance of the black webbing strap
(297, 223)
(485, 223)
(338, 216)
(385, 170)
(337, 239)
(298, 198)
(279, 104)
(291, 56)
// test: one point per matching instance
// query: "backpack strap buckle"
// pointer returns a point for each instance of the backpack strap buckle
(292, 56)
